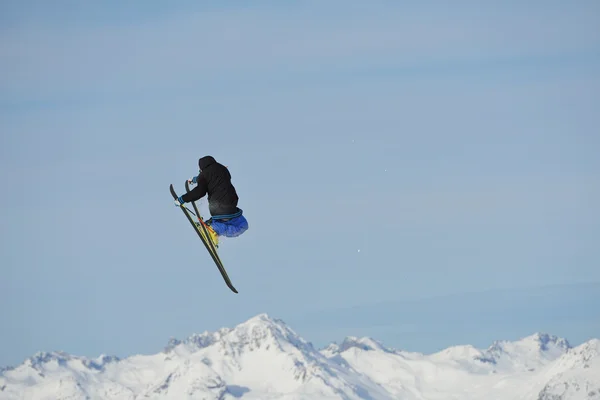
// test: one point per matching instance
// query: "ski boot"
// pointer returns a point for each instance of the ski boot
(214, 237)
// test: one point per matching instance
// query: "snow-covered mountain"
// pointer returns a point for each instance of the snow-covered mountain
(263, 358)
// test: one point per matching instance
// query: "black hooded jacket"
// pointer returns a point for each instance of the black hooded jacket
(215, 180)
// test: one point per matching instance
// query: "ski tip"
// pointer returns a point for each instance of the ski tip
(173, 193)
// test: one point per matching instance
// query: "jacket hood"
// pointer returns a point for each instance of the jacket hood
(206, 161)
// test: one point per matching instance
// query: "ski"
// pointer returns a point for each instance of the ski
(200, 229)
(201, 225)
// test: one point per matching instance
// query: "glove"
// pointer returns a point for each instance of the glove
(179, 202)
(193, 180)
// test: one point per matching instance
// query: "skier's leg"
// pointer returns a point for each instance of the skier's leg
(230, 228)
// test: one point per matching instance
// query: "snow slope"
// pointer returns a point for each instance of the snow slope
(263, 358)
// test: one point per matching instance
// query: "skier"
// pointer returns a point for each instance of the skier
(214, 179)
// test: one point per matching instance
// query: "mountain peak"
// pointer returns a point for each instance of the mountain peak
(540, 347)
(43, 357)
(537, 342)
(363, 343)
(582, 354)
(265, 318)
(263, 321)
(353, 342)
(256, 332)
(264, 330)
(459, 352)
(546, 342)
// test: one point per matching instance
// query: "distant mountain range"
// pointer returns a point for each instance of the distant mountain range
(263, 358)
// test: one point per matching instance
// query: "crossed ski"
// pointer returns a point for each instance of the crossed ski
(202, 232)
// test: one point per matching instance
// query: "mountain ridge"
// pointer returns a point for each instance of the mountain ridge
(264, 358)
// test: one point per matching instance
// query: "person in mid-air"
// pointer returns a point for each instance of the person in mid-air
(214, 179)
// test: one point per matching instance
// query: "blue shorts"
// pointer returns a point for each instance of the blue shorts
(231, 227)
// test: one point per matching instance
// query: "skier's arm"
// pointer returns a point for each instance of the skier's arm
(198, 192)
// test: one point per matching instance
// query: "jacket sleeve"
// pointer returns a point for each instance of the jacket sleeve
(198, 192)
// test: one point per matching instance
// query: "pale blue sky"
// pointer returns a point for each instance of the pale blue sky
(455, 146)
